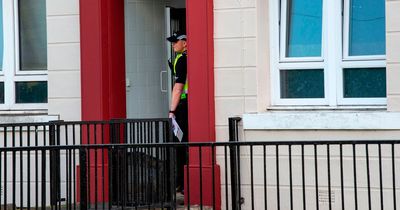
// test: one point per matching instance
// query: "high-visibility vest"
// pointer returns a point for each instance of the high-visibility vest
(185, 88)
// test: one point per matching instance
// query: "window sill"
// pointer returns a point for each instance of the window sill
(26, 116)
(322, 120)
(327, 108)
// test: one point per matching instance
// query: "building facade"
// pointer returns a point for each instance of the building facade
(292, 69)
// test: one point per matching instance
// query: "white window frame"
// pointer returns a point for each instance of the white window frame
(283, 36)
(11, 72)
(333, 60)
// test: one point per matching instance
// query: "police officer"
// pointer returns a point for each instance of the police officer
(179, 105)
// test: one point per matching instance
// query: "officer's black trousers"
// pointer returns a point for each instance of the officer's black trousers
(181, 115)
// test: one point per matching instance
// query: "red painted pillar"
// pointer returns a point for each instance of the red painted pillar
(102, 74)
(201, 102)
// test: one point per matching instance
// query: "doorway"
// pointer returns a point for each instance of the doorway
(148, 79)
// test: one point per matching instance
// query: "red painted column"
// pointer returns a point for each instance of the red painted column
(102, 74)
(200, 23)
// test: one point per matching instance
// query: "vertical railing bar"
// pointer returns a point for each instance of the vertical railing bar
(158, 158)
(43, 179)
(355, 177)
(277, 178)
(118, 174)
(145, 167)
(316, 175)
(125, 173)
(252, 177)
(110, 152)
(142, 171)
(68, 168)
(83, 156)
(187, 177)
(303, 176)
(131, 159)
(1, 165)
(226, 178)
(1, 172)
(213, 175)
(36, 170)
(265, 177)
(95, 167)
(368, 176)
(239, 182)
(103, 166)
(28, 130)
(201, 178)
(150, 154)
(138, 163)
(328, 155)
(58, 167)
(89, 193)
(394, 178)
(5, 168)
(74, 160)
(13, 168)
(380, 175)
(341, 176)
(80, 133)
(58, 163)
(290, 178)
(21, 166)
(133, 162)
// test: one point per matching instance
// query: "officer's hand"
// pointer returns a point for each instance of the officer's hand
(171, 115)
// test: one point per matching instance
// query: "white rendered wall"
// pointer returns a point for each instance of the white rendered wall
(393, 53)
(63, 37)
(242, 88)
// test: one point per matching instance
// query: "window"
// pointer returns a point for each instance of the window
(330, 53)
(23, 49)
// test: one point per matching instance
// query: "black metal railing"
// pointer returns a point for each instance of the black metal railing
(138, 170)
(274, 175)
(31, 166)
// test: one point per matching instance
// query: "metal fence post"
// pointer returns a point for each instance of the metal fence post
(234, 158)
(83, 179)
(54, 166)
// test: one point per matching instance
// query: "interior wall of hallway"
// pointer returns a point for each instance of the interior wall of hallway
(64, 79)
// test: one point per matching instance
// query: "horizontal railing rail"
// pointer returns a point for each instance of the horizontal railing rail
(85, 132)
(273, 175)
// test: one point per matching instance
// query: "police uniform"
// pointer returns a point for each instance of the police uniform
(179, 68)
(180, 75)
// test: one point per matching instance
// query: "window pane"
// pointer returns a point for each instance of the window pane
(1, 92)
(1, 36)
(367, 27)
(302, 83)
(32, 34)
(31, 92)
(304, 28)
(364, 83)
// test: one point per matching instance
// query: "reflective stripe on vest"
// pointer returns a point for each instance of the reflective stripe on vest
(185, 88)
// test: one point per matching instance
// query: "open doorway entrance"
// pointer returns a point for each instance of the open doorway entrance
(148, 79)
